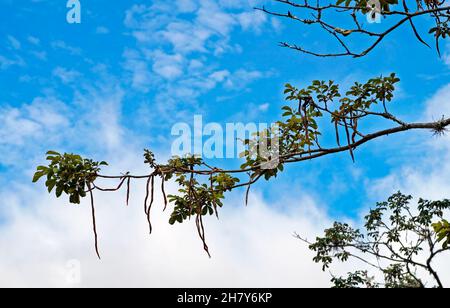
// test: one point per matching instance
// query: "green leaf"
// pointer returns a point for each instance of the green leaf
(59, 191)
(50, 185)
(38, 175)
(53, 153)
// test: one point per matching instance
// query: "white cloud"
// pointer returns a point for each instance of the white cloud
(252, 21)
(14, 43)
(177, 49)
(251, 246)
(186, 6)
(446, 57)
(167, 66)
(102, 130)
(429, 176)
(91, 120)
(211, 16)
(6, 63)
(240, 4)
(276, 24)
(41, 55)
(186, 37)
(264, 107)
(31, 121)
(75, 51)
(34, 40)
(242, 78)
(66, 75)
(220, 76)
(141, 78)
(102, 30)
(439, 104)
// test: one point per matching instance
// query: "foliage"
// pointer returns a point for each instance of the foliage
(295, 138)
(442, 230)
(394, 234)
(69, 174)
(199, 198)
(298, 133)
(354, 280)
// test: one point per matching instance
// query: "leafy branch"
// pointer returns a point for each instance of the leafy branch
(297, 137)
(396, 241)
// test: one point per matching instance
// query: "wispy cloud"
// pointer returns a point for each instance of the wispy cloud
(89, 119)
(428, 176)
(34, 40)
(66, 75)
(14, 43)
(6, 63)
(176, 56)
(102, 30)
(141, 76)
(446, 56)
(61, 45)
(29, 124)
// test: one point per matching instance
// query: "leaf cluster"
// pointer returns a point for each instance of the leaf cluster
(393, 232)
(68, 173)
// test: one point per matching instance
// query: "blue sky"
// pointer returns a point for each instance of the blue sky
(119, 81)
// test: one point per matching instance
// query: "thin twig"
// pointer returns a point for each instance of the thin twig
(94, 223)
